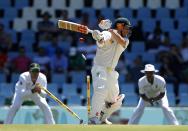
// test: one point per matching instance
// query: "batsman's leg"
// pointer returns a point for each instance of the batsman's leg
(99, 77)
(137, 113)
(41, 102)
(96, 108)
(114, 100)
(169, 114)
(108, 110)
(16, 104)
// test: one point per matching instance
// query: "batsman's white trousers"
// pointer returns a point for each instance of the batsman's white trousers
(168, 113)
(40, 101)
(106, 88)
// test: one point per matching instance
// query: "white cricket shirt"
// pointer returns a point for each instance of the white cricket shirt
(152, 90)
(25, 84)
(109, 54)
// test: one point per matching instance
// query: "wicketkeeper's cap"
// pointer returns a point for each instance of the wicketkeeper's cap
(149, 67)
(34, 67)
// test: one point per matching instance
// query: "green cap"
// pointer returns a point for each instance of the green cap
(34, 67)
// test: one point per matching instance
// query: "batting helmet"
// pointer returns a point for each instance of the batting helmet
(125, 21)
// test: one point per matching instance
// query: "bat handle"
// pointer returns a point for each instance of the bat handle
(90, 31)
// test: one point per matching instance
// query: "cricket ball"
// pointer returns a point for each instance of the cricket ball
(81, 39)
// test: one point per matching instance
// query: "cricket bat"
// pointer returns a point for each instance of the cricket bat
(72, 26)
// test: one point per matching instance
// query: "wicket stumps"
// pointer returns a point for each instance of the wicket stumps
(62, 104)
(88, 96)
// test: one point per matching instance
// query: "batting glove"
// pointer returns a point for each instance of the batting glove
(105, 24)
(97, 35)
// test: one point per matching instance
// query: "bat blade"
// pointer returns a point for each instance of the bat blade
(73, 26)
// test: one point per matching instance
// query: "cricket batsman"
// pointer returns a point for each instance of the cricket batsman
(152, 89)
(110, 45)
(27, 88)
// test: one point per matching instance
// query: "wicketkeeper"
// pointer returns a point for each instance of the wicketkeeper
(26, 88)
(110, 45)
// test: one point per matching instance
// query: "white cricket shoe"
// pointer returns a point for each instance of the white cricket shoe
(106, 121)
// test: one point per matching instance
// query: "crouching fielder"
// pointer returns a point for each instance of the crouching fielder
(26, 88)
(152, 88)
(110, 45)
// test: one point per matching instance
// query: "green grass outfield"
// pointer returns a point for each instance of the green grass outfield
(91, 128)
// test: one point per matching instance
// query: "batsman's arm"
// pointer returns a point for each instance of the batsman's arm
(101, 37)
(120, 40)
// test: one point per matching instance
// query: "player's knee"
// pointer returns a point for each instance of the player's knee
(118, 103)
(120, 99)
